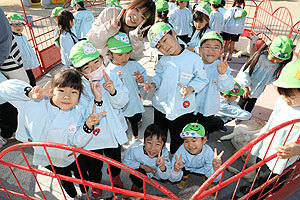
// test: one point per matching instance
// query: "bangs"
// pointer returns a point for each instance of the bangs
(288, 92)
(68, 78)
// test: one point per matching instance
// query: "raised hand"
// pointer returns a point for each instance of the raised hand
(108, 85)
(160, 162)
(119, 73)
(185, 90)
(148, 87)
(178, 165)
(138, 77)
(39, 92)
(217, 161)
(96, 89)
(222, 67)
(139, 28)
(246, 93)
(94, 118)
(116, 19)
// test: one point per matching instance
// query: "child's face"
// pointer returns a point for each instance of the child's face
(194, 144)
(153, 146)
(199, 25)
(230, 98)
(65, 98)
(273, 59)
(210, 50)
(120, 58)
(92, 66)
(292, 101)
(17, 27)
(134, 17)
(182, 4)
(168, 45)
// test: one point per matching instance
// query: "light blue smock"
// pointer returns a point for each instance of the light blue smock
(195, 40)
(66, 43)
(171, 5)
(261, 76)
(282, 113)
(222, 10)
(135, 156)
(40, 121)
(208, 100)
(2, 78)
(112, 126)
(187, 68)
(229, 111)
(200, 163)
(29, 58)
(134, 104)
(83, 21)
(231, 25)
(181, 20)
(216, 22)
(55, 36)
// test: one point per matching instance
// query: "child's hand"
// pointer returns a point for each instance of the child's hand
(119, 73)
(138, 77)
(148, 169)
(185, 90)
(217, 161)
(39, 92)
(222, 67)
(94, 118)
(139, 28)
(291, 149)
(96, 89)
(108, 85)
(246, 93)
(115, 21)
(160, 162)
(178, 165)
(148, 87)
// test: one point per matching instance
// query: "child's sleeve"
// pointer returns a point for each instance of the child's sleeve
(143, 72)
(120, 99)
(228, 15)
(243, 77)
(175, 176)
(200, 80)
(158, 74)
(66, 44)
(225, 82)
(130, 156)
(233, 111)
(166, 174)
(208, 169)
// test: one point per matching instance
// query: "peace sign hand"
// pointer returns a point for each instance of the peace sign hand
(185, 91)
(148, 87)
(94, 118)
(222, 67)
(138, 77)
(178, 165)
(139, 28)
(160, 162)
(39, 92)
(217, 161)
(108, 85)
(115, 21)
(96, 89)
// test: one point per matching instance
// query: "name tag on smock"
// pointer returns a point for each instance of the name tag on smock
(185, 75)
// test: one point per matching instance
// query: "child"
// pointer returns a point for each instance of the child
(229, 110)
(201, 24)
(221, 8)
(179, 75)
(171, 4)
(113, 3)
(220, 80)
(194, 156)
(150, 158)
(52, 117)
(66, 37)
(83, 19)
(131, 73)
(29, 58)
(112, 95)
(234, 23)
(262, 69)
(54, 14)
(181, 18)
(135, 21)
(162, 10)
(216, 22)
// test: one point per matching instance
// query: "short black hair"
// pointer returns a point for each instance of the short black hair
(156, 130)
(67, 78)
(288, 92)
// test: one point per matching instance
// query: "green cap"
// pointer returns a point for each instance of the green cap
(119, 43)
(157, 31)
(213, 35)
(74, 2)
(290, 76)
(15, 18)
(83, 52)
(236, 91)
(161, 5)
(55, 11)
(113, 3)
(182, 0)
(193, 130)
(282, 47)
(239, 14)
(215, 2)
(203, 7)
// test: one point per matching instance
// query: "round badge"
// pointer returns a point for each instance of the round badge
(96, 131)
(186, 104)
(72, 128)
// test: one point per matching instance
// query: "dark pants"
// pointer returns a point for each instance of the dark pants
(136, 180)
(8, 119)
(210, 123)
(247, 104)
(67, 171)
(184, 38)
(94, 166)
(134, 122)
(175, 127)
(31, 77)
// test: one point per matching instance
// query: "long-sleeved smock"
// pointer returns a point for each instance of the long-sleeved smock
(282, 112)
(222, 10)
(216, 22)
(208, 99)
(200, 163)
(195, 40)
(29, 58)
(229, 111)
(111, 130)
(260, 78)
(39, 120)
(171, 5)
(83, 20)
(187, 68)
(134, 104)
(66, 42)
(2, 78)
(135, 155)
(181, 20)
(102, 30)
(231, 25)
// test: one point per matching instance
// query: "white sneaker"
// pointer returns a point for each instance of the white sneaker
(2, 141)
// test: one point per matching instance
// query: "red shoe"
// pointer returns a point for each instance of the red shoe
(96, 193)
(117, 181)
